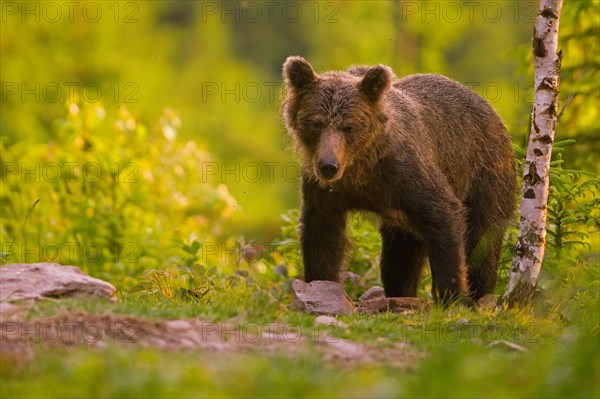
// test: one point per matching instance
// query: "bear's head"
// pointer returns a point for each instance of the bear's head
(334, 117)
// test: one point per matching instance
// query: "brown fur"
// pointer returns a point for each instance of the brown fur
(429, 156)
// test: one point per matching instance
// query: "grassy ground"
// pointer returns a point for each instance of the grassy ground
(462, 352)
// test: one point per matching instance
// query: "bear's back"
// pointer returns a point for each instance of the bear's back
(437, 91)
(456, 126)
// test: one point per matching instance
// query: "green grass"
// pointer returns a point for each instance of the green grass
(459, 362)
(150, 373)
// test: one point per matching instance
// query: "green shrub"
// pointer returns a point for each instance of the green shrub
(112, 195)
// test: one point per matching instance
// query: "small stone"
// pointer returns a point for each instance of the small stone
(331, 321)
(176, 325)
(352, 277)
(488, 301)
(372, 293)
(462, 321)
(509, 345)
(345, 349)
(321, 298)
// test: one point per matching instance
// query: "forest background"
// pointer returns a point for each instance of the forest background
(143, 142)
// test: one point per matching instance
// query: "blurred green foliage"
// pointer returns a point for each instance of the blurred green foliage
(172, 135)
(113, 196)
(218, 64)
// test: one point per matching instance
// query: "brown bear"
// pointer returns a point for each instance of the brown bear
(425, 153)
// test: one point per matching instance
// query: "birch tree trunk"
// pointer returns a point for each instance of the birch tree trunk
(529, 251)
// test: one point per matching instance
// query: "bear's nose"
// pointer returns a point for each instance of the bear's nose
(328, 169)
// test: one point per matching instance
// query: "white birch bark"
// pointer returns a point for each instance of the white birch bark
(531, 244)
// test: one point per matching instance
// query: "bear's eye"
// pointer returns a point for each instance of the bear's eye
(316, 126)
(348, 129)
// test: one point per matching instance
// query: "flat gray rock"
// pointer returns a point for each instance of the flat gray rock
(394, 305)
(36, 281)
(321, 298)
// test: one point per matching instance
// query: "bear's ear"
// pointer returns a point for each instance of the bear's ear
(298, 73)
(377, 81)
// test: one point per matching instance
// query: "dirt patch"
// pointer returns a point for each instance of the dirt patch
(21, 338)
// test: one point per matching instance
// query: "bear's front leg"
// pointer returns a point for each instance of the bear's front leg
(322, 234)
